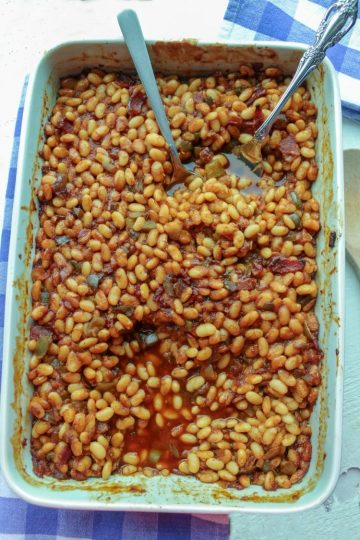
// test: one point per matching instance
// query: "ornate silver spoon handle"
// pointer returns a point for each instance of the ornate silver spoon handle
(338, 20)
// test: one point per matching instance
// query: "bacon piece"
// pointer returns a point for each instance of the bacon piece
(64, 455)
(257, 267)
(65, 126)
(246, 283)
(37, 331)
(205, 155)
(235, 120)
(250, 126)
(59, 186)
(136, 102)
(259, 92)
(289, 148)
(281, 122)
(282, 265)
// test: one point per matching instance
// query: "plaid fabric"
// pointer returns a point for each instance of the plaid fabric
(19, 520)
(297, 20)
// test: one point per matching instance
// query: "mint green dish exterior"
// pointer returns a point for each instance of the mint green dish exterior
(174, 493)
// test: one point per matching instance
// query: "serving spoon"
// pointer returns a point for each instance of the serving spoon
(338, 20)
(134, 39)
(336, 23)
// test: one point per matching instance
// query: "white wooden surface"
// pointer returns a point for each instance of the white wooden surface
(27, 28)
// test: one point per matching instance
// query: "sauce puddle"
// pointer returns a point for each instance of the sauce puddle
(159, 446)
(235, 166)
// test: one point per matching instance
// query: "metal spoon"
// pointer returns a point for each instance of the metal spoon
(338, 20)
(134, 39)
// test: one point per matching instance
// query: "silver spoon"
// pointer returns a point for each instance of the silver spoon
(134, 39)
(338, 20)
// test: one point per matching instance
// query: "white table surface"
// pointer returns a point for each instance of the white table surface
(29, 27)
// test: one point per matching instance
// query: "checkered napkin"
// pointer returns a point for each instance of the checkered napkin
(297, 20)
(19, 520)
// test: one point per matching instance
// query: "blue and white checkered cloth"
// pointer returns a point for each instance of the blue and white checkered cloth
(22, 521)
(297, 20)
(289, 20)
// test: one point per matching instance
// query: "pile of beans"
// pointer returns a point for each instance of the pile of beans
(174, 331)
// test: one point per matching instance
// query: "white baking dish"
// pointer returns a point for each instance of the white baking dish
(173, 493)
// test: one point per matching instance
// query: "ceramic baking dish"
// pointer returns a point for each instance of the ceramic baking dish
(173, 493)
